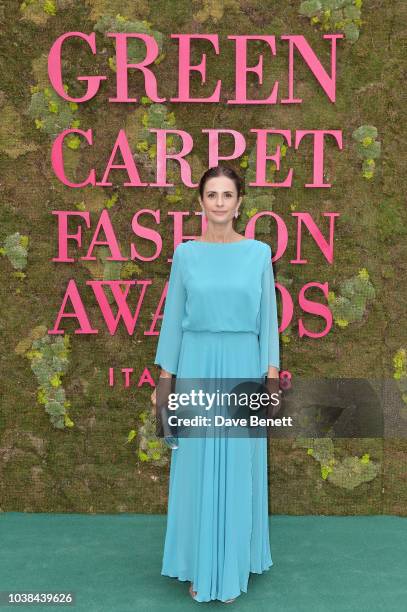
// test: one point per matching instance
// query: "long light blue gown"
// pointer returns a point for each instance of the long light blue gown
(219, 320)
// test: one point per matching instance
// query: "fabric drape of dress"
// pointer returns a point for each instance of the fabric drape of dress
(219, 321)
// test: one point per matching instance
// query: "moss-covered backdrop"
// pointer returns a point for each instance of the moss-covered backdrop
(68, 442)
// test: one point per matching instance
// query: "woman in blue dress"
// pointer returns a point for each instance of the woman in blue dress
(219, 322)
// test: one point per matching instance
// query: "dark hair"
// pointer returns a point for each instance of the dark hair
(221, 170)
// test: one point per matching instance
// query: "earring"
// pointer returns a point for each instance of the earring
(236, 213)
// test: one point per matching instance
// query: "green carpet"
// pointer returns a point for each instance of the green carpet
(113, 562)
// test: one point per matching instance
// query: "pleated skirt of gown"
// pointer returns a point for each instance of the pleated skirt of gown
(217, 524)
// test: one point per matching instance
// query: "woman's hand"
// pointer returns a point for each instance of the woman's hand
(272, 384)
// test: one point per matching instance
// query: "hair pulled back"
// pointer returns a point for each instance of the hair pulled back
(221, 170)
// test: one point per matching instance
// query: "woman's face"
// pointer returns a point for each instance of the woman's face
(220, 200)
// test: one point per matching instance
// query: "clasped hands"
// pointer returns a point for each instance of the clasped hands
(273, 387)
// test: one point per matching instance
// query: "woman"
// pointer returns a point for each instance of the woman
(220, 321)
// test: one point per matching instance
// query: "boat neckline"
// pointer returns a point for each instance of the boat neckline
(224, 243)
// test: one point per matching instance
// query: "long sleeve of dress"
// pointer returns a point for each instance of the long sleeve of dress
(169, 342)
(268, 334)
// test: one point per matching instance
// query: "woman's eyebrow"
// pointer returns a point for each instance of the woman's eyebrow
(212, 191)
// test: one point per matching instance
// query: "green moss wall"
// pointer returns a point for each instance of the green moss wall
(66, 441)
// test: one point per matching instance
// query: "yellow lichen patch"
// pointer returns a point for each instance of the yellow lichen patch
(40, 71)
(38, 11)
(215, 9)
(24, 344)
(131, 9)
